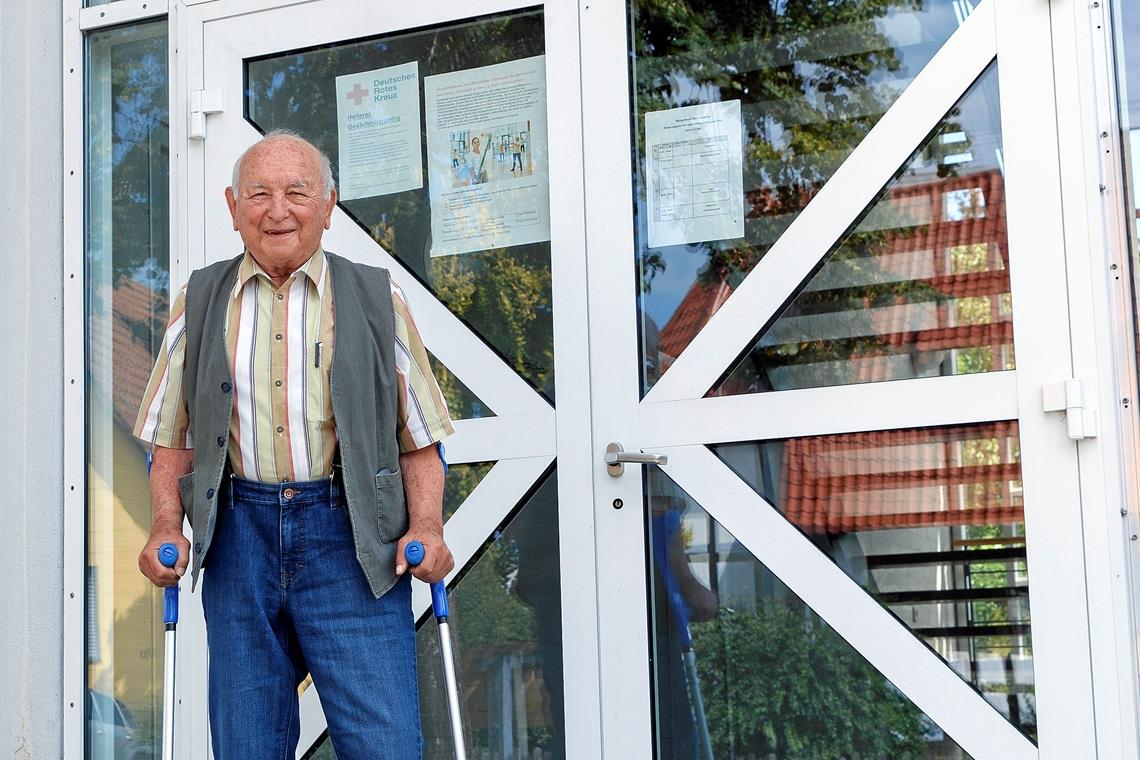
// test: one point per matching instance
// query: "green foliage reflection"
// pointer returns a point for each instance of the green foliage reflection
(780, 681)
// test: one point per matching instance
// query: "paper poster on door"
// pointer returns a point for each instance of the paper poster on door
(378, 128)
(694, 172)
(487, 157)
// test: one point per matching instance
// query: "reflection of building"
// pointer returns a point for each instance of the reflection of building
(928, 520)
(920, 288)
(126, 660)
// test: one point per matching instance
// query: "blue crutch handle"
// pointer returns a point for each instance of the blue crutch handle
(414, 553)
(168, 556)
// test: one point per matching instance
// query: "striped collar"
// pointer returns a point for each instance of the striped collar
(314, 268)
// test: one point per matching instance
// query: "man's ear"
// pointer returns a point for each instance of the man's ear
(329, 206)
(231, 201)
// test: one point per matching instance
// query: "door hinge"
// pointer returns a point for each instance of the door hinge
(203, 102)
(1069, 397)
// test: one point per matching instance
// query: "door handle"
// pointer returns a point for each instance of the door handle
(616, 459)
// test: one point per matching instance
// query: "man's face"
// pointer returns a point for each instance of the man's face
(279, 208)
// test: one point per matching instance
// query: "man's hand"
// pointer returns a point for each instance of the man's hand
(166, 467)
(438, 561)
(423, 488)
(159, 574)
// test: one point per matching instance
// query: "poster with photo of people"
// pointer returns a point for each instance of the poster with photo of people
(487, 160)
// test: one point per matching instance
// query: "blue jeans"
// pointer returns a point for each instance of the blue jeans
(284, 595)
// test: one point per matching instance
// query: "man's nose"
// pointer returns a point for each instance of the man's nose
(278, 207)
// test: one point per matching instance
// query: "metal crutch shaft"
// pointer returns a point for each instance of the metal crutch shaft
(168, 556)
(414, 553)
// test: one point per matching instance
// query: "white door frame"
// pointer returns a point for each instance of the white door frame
(604, 582)
(526, 433)
(674, 417)
(1098, 225)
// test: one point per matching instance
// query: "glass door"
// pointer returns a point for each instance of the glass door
(452, 133)
(832, 298)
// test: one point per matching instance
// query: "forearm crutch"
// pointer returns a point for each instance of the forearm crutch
(168, 556)
(414, 553)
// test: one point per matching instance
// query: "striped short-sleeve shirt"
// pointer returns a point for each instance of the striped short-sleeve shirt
(280, 343)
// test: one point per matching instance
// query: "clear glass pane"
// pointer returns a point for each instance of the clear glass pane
(919, 287)
(462, 404)
(739, 658)
(506, 628)
(1126, 24)
(931, 523)
(503, 294)
(459, 482)
(127, 305)
(811, 79)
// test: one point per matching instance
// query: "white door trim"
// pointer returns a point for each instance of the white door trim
(1050, 478)
(981, 397)
(1099, 225)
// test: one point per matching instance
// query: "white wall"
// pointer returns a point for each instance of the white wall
(31, 378)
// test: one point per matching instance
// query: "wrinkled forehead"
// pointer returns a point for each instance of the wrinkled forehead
(280, 164)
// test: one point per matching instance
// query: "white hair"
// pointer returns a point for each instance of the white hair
(278, 135)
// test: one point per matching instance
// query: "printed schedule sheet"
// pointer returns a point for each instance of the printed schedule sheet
(695, 174)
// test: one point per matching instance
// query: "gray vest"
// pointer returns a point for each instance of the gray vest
(363, 382)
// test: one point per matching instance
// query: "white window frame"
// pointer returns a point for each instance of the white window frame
(77, 22)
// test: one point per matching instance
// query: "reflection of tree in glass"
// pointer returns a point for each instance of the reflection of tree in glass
(503, 294)
(138, 160)
(460, 481)
(780, 681)
(506, 627)
(805, 107)
(462, 404)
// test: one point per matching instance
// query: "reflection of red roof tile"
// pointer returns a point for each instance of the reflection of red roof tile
(933, 236)
(966, 475)
(694, 311)
(119, 345)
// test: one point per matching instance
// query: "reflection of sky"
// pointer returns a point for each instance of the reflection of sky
(140, 105)
(1128, 34)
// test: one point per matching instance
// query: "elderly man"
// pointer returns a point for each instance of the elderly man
(294, 421)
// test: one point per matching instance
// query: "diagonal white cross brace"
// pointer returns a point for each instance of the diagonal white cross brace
(471, 360)
(896, 652)
(850, 190)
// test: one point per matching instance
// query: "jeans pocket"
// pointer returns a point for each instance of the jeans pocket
(391, 508)
(186, 493)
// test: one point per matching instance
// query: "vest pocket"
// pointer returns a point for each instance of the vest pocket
(391, 509)
(186, 492)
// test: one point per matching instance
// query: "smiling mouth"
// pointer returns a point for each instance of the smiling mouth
(278, 233)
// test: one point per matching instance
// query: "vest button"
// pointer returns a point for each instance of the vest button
(198, 548)
(221, 441)
(210, 493)
(226, 387)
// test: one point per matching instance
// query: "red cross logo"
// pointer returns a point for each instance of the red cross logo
(358, 94)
